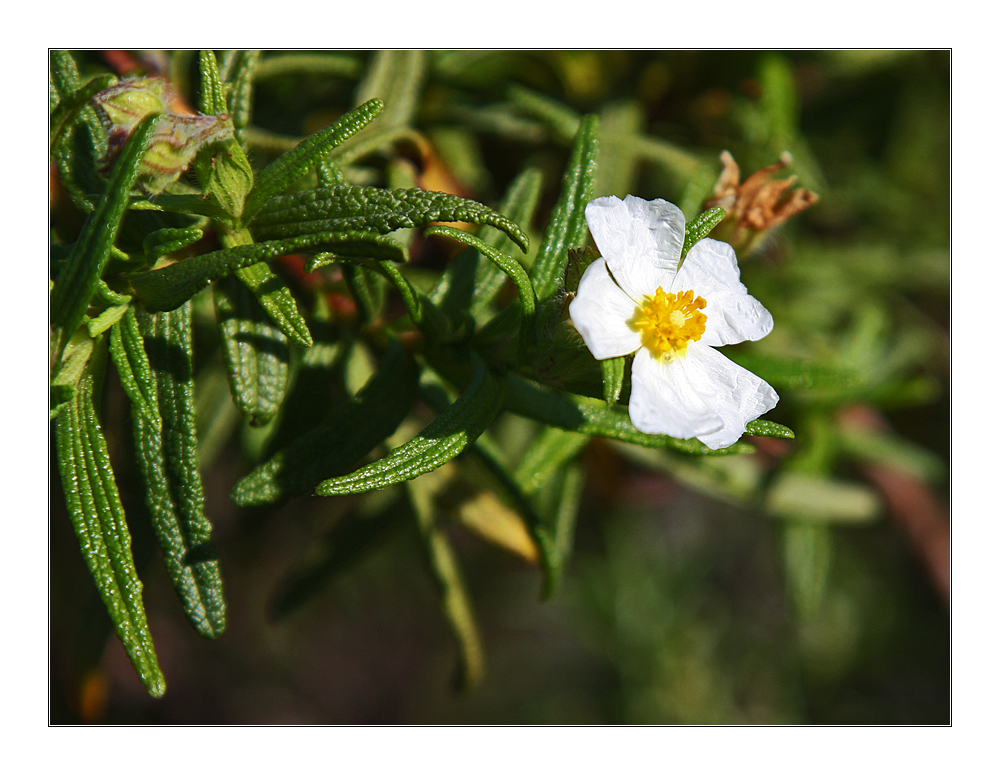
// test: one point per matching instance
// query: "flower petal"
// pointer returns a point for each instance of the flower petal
(735, 394)
(640, 240)
(710, 269)
(601, 312)
(665, 400)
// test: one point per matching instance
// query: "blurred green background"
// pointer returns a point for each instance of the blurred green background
(807, 583)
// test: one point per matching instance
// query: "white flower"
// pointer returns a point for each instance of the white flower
(635, 300)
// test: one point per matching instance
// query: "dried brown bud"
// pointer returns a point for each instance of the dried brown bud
(760, 203)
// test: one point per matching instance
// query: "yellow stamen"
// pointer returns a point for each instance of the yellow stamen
(668, 321)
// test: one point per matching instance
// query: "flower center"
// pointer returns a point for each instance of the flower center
(668, 321)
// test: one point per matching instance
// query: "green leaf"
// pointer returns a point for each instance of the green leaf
(286, 169)
(255, 351)
(455, 603)
(134, 372)
(814, 498)
(789, 373)
(167, 457)
(618, 162)
(699, 228)
(519, 205)
(808, 555)
(549, 451)
(613, 374)
(394, 76)
(768, 428)
(434, 446)
(375, 138)
(226, 177)
(98, 519)
(561, 119)
(212, 100)
(364, 244)
(328, 63)
(188, 204)
(79, 155)
(239, 98)
(329, 174)
(277, 300)
(503, 262)
(359, 208)
(517, 496)
(169, 287)
(97, 326)
(559, 503)
(340, 440)
(63, 72)
(567, 226)
(163, 242)
(81, 273)
(423, 313)
(223, 170)
(595, 418)
(368, 288)
(74, 361)
(69, 108)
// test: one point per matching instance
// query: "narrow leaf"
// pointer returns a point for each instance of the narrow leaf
(255, 351)
(129, 356)
(790, 373)
(613, 373)
(699, 228)
(328, 63)
(188, 204)
(423, 313)
(567, 226)
(541, 536)
(277, 300)
(239, 98)
(505, 263)
(368, 288)
(362, 208)
(561, 119)
(340, 440)
(213, 93)
(63, 72)
(167, 456)
(79, 155)
(560, 504)
(69, 108)
(455, 602)
(768, 428)
(550, 451)
(434, 446)
(163, 242)
(96, 512)
(519, 205)
(395, 77)
(169, 287)
(286, 169)
(80, 274)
